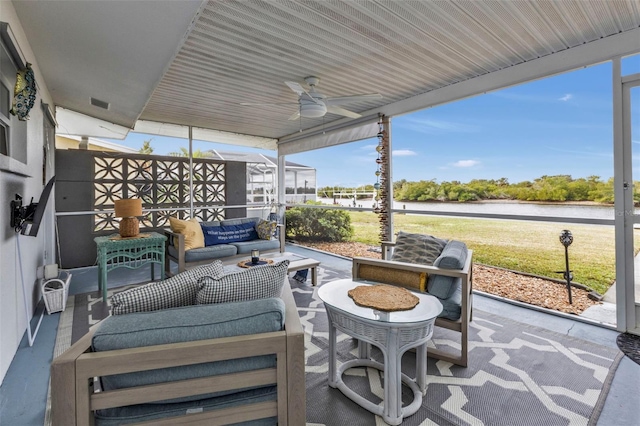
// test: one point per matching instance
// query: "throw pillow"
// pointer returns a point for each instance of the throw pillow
(193, 237)
(265, 229)
(257, 282)
(179, 290)
(417, 248)
(225, 234)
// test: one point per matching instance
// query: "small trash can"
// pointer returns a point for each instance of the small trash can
(55, 292)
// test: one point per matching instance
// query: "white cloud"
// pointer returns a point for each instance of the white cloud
(465, 163)
(403, 152)
(566, 97)
(431, 126)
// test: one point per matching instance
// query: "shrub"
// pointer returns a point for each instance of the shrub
(318, 224)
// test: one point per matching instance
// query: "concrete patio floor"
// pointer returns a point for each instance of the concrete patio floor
(24, 390)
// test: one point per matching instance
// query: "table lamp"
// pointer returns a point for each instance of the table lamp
(128, 209)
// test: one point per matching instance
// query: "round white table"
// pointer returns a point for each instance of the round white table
(393, 332)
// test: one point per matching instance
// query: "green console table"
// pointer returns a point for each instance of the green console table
(115, 252)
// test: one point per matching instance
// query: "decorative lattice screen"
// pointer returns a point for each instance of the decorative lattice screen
(161, 183)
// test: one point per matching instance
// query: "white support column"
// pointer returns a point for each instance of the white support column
(622, 190)
(281, 186)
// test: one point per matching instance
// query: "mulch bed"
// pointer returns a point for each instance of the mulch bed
(511, 285)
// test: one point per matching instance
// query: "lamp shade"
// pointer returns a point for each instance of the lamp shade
(128, 207)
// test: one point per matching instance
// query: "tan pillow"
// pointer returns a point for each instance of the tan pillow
(409, 279)
(193, 236)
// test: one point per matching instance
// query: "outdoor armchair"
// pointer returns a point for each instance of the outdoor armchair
(457, 301)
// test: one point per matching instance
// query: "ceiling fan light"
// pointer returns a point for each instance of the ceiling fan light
(313, 110)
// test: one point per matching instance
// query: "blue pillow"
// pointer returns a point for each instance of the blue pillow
(225, 234)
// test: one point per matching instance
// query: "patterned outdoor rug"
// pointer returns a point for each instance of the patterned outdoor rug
(518, 374)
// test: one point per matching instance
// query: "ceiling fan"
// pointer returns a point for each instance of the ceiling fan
(313, 104)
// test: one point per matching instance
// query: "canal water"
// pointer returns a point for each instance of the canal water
(569, 210)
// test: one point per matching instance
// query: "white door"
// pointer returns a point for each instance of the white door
(627, 162)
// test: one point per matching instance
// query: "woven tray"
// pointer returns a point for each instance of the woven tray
(248, 264)
(383, 297)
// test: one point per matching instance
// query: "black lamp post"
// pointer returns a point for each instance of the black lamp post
(566, 239)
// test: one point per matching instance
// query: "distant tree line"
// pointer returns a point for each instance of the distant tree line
(545, 188)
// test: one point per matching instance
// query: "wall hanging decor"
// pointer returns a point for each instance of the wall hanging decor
(24, 93)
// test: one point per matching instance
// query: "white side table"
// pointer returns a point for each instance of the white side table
(393, 332)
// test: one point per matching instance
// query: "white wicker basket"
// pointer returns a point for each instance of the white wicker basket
(55, 292)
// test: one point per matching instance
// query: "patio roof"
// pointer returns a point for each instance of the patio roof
(193, 63)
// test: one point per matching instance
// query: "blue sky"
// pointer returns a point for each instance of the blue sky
(558, 125)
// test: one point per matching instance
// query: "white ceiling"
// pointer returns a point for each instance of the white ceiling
(415, 53)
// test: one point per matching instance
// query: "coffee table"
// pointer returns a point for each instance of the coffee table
(296, 262)
(393, 332)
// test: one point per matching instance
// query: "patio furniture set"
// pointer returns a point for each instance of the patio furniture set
(219, 343)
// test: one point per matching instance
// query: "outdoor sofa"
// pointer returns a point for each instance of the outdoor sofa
(252, 371)
(177, 251)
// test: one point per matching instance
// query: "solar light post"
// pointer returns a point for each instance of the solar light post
(566, 239)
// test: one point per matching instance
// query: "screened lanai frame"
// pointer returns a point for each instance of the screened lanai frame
(627, 308)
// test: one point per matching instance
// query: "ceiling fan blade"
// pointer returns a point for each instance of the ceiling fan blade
(299, 90)
(274, 104)
(355, 98)
(341, 111)
(295, 115)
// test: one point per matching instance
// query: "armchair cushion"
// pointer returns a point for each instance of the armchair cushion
(452, 305)
(193, 237)
(417, 248)
(179, 290)
(186, 324)
(453, 256)
(254, 283)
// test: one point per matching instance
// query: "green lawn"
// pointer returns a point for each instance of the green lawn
(531, 247)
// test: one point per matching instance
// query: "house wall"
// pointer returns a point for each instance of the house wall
(91, 181)
(25, 179)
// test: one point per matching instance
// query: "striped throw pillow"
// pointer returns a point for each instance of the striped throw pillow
(417, 248)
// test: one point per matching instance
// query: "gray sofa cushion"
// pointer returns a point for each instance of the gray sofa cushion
(150, 412)
(206, 253)
(253, 283)
(245, 247)
(453, 256)
(190, 323)
(179, 290)
(417, 248)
